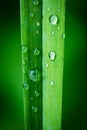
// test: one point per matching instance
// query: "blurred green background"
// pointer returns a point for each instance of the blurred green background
(75, 70)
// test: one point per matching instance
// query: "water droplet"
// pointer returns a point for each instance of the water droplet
(31, 98)
(34, 75)
(47, 65)
(37, 93)
(52, 32)
(38, 24)
(53, 19)
(24, 48)
(48, 9)
(35, 109)
(35, 2)
(31, 14)
(58, 27)
(37, 32)
(26, 86)
(63, 35)
(36, 52)
(51, 83)
(52, 55)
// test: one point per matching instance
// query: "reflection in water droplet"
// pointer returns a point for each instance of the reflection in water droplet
(26, 86)
(48, 9)
(31, 14)
(58, 27)
(51, 83)
(24, 48)
(52, 55)
(63, 35)
(35, 2)
(34, 75)
(36, 52)
(52, 33)
(37, 93)
(35, 109)
(53, 19)
(47, 65)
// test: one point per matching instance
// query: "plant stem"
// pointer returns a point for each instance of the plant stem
(42, 40)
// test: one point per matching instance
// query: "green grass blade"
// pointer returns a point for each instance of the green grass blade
(53, 55)
(31, 42)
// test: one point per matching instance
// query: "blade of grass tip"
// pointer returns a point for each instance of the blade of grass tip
(53, 30)
(31, 43)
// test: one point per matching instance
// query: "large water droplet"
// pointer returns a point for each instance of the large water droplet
(24, 48)
(35, 2)
(63, 35)
(52, 55)
(26, 86)
(53, 19)
(37, 93)
(51, 83)
(35, 109)
(34, 75)
(36, 52)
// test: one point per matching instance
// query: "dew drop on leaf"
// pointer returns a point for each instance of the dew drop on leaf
(26, 86)
(51, 83)
(63, 35)
(34, 75)
(35, 2)
(52, 55)
(52, 33)
(24, 48)
(53, 19)
(48, 9)
(31, 14)
(36, 52)
(35, 109)
(47, 65)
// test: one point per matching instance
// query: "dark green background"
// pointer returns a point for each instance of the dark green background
(75, 70)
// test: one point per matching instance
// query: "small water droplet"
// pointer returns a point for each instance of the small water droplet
(52, 55)
(63, 35)
(26, 86)
(48, 9)
(24, 48)
(51, 83)
(37, 32)
(53, 19)
(34, 75)
(47, 65)
(37, 93)
(38, 24)
(58, 27)
(36, 52)
(35, 2)
(31, 14)
(31, 99)
(35, 109)
(52, 33)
